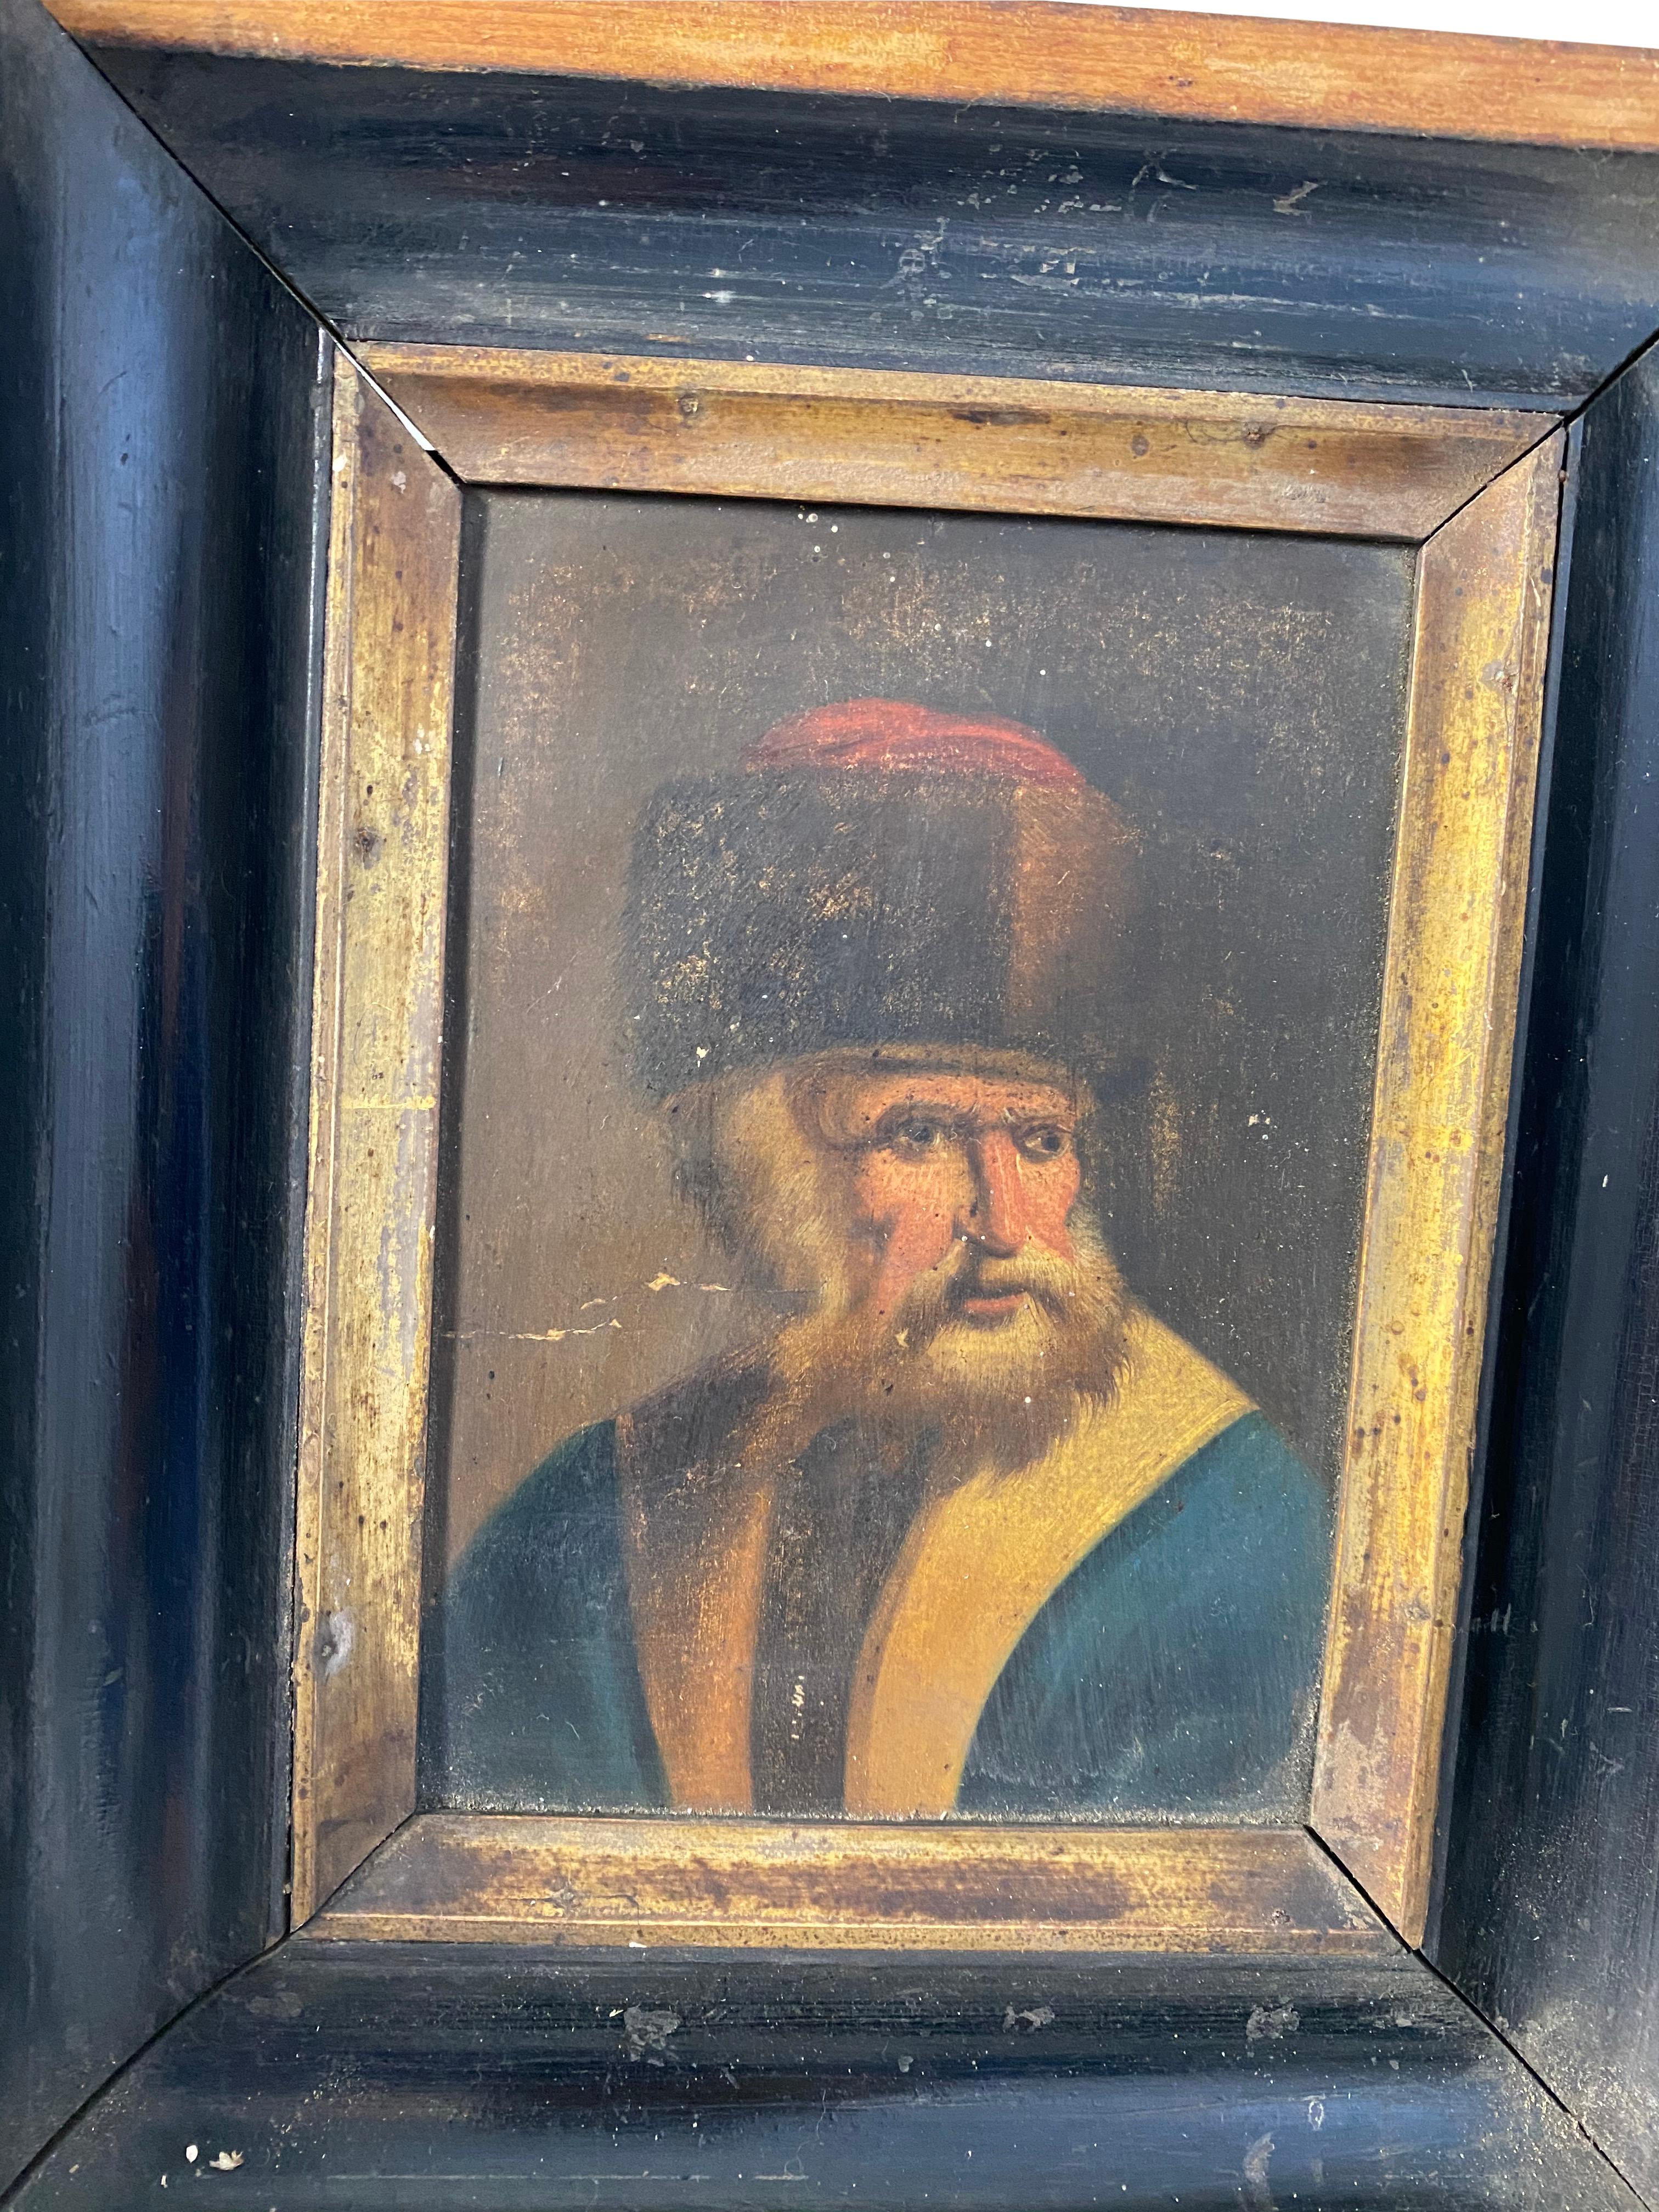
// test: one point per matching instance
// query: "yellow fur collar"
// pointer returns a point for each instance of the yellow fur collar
(978, 1565)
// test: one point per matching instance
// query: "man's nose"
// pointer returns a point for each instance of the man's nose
(996, 1216)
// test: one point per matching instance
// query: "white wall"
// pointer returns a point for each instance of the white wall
(1608, 22)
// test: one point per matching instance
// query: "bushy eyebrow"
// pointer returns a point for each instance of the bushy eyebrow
(919, 1109)
(954, 1118)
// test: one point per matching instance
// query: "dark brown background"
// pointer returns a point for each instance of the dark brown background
(1241, 696)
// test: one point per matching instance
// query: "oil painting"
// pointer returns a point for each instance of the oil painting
(914, 992)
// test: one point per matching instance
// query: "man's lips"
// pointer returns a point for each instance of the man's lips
(992, 1306)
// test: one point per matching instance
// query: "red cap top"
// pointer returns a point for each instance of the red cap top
(893, 733)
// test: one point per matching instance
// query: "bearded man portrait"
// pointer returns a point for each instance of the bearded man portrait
(966, 1529)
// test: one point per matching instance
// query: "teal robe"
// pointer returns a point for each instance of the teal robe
(1171, 1674)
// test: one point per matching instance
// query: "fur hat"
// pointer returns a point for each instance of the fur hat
(876, 874)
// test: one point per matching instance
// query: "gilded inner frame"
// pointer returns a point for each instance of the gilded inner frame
(1478, 494)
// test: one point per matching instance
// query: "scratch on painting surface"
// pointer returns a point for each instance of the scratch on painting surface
(547, 1336)
(661, 1282)
(528, 1336)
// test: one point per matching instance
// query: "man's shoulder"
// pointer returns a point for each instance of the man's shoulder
(579, 1465)
(1240, 1495)
(1183, 1467)
(685, 1426)
(1250, 1468)
(1173, 1670)
(552, 1511)
(1193, 1423)
(537, 1699)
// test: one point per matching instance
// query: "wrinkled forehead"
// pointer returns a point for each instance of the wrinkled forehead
(847, 1104)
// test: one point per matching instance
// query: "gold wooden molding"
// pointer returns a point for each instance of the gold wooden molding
(376, 1005)
(1008, 445)
(1449, 1008)
(459, 1877)
(1456, 928)
(1325, 76)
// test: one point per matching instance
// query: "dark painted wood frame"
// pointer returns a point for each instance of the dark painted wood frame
(166, 422)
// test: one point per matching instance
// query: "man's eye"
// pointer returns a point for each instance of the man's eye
(919, 1136)
(1045, 1142)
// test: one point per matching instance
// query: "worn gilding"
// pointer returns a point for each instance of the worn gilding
(1449, 1004)
(473, 1878)
(378, 1002)
(1011, 445)
(1449, 1008)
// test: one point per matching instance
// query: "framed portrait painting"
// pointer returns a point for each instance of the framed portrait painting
(834, 1025)
(914, 1004)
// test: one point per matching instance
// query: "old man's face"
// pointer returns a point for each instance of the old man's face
(946, 1160)
(930, 1229)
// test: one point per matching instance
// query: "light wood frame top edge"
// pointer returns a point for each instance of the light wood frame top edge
(1026, 53)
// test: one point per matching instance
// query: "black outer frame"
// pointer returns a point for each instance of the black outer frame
(719, 223)
(1548, 1914)
(164, 421)
(150, 1234)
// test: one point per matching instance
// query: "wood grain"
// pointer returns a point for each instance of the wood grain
(1221, 67)
(1449, 990)
(495, 1878)
(1009, 445)
(382, 849)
